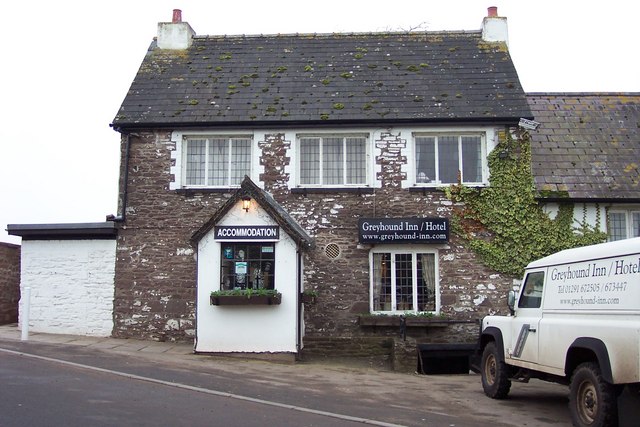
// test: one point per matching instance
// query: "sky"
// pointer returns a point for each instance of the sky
(67, 65)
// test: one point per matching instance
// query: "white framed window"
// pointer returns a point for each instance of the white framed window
(333, 160)
(216, 160)
(404, 281)
(247, 265)
(623, 224)
(439, 158)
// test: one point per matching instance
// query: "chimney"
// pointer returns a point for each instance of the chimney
(176, 34)
(494, 27)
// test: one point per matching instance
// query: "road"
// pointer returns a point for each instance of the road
(47, 384)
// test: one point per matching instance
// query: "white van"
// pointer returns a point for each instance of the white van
(576, 321)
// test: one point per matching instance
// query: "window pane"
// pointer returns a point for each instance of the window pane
(310, 160)
(382, 282)
(218, 161)
(332, 161)
(196, 149)
(404, 282)
(425, 159)
(532, 292)
(617, 226)
(356, 160)
(471, 159)
(240, 159)
(426, 282)
(247, 266)
(635, 232)
(448, 164)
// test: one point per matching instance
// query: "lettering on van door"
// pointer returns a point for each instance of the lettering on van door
(604, 284)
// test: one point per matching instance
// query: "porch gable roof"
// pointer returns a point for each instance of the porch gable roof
(266, 202)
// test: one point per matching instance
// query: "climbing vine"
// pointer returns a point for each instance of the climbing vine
(504, 223)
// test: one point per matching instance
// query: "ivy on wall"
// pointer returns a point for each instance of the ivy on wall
(504, 223)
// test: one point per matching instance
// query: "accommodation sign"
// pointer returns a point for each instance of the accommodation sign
(403, 230)
(247, 232)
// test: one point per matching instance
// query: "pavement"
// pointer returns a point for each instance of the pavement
(124, 346)
(339, 388)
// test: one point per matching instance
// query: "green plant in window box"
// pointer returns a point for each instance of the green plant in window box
(309, 296)
(246, 297)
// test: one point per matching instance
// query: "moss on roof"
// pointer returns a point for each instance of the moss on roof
(412, 77)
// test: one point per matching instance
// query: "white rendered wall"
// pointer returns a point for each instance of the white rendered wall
(246, 328)
(72, 286)
(590, 213)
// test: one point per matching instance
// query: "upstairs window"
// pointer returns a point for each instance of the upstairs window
(216, 161)
(440, 158)
(624, 224)
(332, 160)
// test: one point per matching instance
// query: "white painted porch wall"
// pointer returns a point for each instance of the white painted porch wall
(253, 328)
(72, 286)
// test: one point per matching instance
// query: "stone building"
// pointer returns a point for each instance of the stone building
(341, 147)
(258, 172)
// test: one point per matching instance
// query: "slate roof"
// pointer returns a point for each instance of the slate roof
(325, 79)
(587, 146)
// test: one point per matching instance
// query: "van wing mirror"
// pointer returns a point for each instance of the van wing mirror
(511, 301)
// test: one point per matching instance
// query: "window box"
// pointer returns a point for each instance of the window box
(415, 321)
(246, 297)
(308, 297)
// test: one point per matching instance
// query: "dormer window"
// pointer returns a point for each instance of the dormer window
(439, 158)
(216, 161)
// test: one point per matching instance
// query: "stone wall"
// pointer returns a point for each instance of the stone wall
(9, 282)
(72, 286)
(156, 268)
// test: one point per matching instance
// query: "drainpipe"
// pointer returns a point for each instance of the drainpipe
(298, 305)
(125, 184)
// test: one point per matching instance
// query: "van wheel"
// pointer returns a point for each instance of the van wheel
(592, 400)
(495, 376)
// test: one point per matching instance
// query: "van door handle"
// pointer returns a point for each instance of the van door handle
(532, 329)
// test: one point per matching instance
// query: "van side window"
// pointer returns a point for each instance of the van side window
(531, 296)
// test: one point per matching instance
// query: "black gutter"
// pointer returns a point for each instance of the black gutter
(620, 200)
(299, 311)
(495, 121)
(68, 231)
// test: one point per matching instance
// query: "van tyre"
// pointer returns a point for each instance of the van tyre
(495, 374)
(592, 400)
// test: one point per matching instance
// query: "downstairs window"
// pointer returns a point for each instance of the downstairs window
(247, 266)
(404, 281)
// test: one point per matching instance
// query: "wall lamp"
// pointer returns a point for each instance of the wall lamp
(246, 203)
